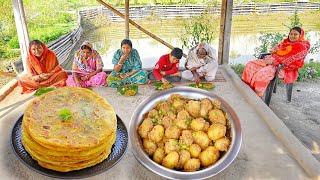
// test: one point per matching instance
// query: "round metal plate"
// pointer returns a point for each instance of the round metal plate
(194, 93)
(117, 152)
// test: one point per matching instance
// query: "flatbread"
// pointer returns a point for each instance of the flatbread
(93, 119)
(65, 143)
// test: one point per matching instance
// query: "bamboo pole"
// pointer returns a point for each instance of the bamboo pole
(137, 26)
(127, 20)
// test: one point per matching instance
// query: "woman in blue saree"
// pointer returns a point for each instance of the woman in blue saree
(127, 67)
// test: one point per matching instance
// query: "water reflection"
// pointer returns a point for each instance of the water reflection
(107, 40)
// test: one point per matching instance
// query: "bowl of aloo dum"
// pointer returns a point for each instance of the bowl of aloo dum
(185, 133)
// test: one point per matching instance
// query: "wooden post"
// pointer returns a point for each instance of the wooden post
(22, 29)
(137, 26)
(225, 31)
(127, 19)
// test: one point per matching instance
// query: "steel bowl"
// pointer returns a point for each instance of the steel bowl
(150, 102)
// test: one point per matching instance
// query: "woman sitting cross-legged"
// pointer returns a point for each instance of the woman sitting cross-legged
(43, 69)
(87, 68)
(201, 62)
(290, 53)
(127, 67)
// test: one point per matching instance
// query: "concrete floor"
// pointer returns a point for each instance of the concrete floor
(269, 150)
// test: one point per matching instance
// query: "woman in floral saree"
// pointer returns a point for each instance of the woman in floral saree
(127, 67)
(43, 69)
(87, 68)
(290, 53)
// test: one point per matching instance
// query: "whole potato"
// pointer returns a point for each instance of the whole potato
(216, 131)
(201, 138)
(178, 104)
(222, 144)
(157, 133)
(194, 150)
(172, 132)
(182, 119)
(145, 128)
(199, 124)
(166, 122)
(149, 146)
(205, 107)
(186, 138)
(184, 156)
(171, 160)
(217, 116)
(193, 108)
(209, 156)
(192, 165)
(216, 104)
(159, 155)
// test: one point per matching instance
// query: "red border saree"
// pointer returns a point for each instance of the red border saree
(257, 73)
(47, 63)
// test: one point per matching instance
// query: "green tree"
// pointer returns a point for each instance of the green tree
(269, 40)
(199, 29)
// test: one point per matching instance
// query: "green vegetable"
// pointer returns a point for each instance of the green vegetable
(184, 147)
(41, 91)
(154, 120)
(65, 114)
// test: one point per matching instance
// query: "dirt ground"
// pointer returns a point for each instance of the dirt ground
(301, 115)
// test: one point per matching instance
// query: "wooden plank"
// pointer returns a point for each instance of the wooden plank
(225, 31)
(127, 19)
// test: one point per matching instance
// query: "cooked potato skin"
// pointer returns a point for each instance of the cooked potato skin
(205, 107)
(217, 131)
(171, 160)
(159, 155)
(222, 144)
(201, 138)
(172, 132)
(184, 156)
(192, 165)
(193, 108)
(194, 150)
(209, 156)
(145, 128)
(157, 133)
(217, 116)
(149, 147)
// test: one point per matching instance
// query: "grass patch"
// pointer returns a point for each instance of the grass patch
(238, 69)
(45, 34)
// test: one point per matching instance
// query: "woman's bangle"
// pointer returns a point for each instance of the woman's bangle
(119, 64)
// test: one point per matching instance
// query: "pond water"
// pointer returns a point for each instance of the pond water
(107, 40)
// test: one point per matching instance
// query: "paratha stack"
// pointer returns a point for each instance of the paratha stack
(64, 143)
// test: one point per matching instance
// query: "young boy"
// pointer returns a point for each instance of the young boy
(166, 69)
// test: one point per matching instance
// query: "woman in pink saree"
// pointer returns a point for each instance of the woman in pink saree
(290, 53)
(87, 68)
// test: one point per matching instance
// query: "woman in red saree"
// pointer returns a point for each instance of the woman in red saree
(43, 69)
(290, 53)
